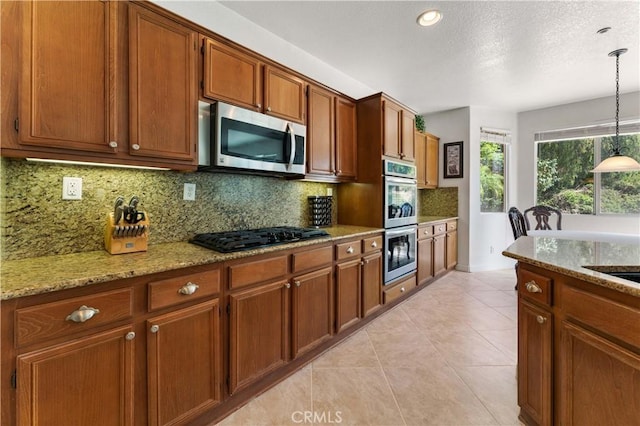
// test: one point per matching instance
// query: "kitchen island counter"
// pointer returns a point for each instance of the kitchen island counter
(27, 277)
(583, 259)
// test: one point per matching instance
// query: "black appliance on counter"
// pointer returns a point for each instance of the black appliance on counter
(231, 241)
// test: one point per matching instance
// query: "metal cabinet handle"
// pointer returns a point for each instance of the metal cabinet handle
(130, 335)
(135, 146)
(82, 314)
(188, 288)
(297, 283)
(350, 250)
(269, 109)
(113, 144)
(426, 232)
(374, 244)
(287, 285)
(532, 287)
(154, 328)
(401, 289)
(541, 319)
(258, 106)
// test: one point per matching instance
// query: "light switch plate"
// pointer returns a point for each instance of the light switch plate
(71, 188)
(189, 193)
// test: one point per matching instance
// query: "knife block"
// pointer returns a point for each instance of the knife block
(126, 237)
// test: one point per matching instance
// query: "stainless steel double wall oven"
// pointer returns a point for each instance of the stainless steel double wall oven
(400, 219)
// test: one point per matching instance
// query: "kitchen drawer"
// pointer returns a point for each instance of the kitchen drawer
(399, 290)
(50, 320)
(452, 226)
(425, 231)
(185, 288)
(253, 272)
(372, 244)
(615, 319)
(534, 286)
(311, 259)
(439, 228)
(348, 250)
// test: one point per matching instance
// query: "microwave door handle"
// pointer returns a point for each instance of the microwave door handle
(292, 141)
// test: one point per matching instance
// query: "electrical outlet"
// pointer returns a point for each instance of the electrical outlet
(329, 192)
(189, 193)
(71, 188)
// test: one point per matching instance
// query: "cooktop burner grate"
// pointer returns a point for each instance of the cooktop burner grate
(231, 241)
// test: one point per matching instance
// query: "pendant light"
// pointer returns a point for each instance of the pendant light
(617, 162)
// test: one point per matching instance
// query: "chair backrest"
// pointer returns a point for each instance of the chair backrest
(517, 223)
(542, 214)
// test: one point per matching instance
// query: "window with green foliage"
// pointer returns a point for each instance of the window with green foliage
(492, 177)
(565, 181)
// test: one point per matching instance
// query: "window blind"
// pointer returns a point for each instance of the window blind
(608, 129)
(495, 135)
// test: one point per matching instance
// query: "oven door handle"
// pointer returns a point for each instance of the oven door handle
(405, 181)
(392, 232)
(292, 141)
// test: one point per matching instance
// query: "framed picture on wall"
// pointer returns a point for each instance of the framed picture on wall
(452, 160)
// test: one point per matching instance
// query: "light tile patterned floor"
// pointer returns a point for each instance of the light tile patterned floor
(447, 356)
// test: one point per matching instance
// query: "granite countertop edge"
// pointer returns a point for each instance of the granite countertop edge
(583, 272)
(28, 277)
(424, 220)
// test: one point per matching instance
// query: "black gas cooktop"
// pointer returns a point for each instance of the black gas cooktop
(231, 241)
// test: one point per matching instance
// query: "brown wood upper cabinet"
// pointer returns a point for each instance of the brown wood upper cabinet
(89, 83)
(163, 87)
(331, 129)
(238, 77)
(427, 147)
(69, 98)
(399, 128)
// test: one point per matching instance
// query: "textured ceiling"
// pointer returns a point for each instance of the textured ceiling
(510, 55)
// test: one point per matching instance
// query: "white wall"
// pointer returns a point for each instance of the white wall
(594, 111)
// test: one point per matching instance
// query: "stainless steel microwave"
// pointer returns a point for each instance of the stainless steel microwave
(247, 141)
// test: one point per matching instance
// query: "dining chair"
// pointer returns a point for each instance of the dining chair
(543, 214)
(516, 218)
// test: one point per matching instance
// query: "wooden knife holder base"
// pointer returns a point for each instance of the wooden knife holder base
(126, 237)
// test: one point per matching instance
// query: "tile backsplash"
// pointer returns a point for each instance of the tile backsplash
(438, 202)
(35, 221)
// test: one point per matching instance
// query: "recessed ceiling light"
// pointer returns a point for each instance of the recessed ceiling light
(429, 17)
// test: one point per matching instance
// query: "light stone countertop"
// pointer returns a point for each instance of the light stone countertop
(26, 277)
(574, 257)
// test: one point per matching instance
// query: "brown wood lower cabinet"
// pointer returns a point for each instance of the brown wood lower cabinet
(258, 332)
(86, 381)
(312, 310)
(578, 351)
(348, 293)
(183, 363)
(371, 283)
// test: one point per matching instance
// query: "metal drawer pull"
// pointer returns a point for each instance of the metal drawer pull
(288, 285)
(350, 250)
(532, 287)
(297, 283)
(82, 314)
(541, 319)
(154, 328)
(188, 288)
(130, 335)
(374, 244)
(401, 289)
(135, 147)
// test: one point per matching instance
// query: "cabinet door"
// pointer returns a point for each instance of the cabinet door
(284, 95)
(69, 91)
(183, 363)
(162, 87)
(371, 283)
(346, 139)
(439, 254)
(320, 129)
(231, 76)
(452, 249)
(257, 332)
(391, 129)
(407, 144)
(85, 382)
(425, 260)
(312, 310)
(599, 381)
(348, 293)
(431, 161)
(535, 333)
(421, 159)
